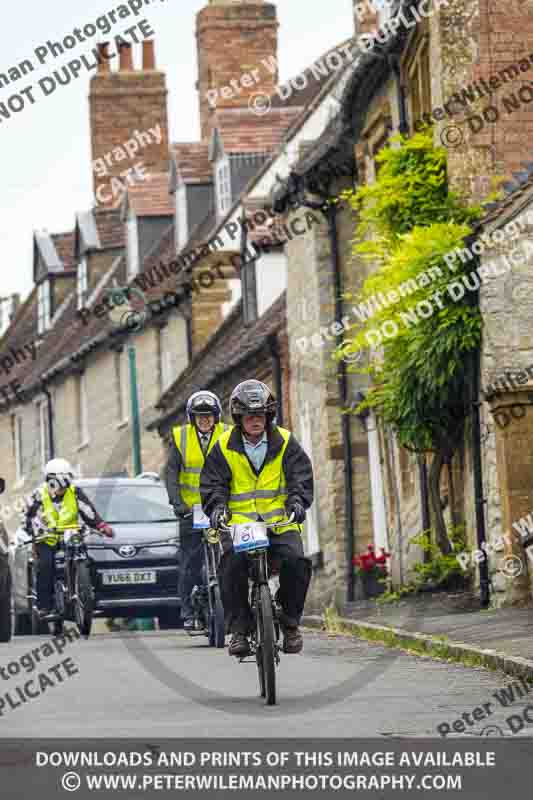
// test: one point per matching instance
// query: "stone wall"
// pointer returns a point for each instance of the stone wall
(474, 41)
(507, 373)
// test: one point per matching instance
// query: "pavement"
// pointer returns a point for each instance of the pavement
(449, 626)
(166, 684)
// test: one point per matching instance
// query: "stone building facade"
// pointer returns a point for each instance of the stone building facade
(409, 78)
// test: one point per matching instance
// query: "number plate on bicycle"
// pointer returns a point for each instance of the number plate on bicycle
(199, 519)
(250, 536)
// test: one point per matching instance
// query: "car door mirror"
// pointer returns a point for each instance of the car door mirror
(2, 485)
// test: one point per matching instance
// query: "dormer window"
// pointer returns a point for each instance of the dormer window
(223, 182)
(43, 307)
(132, 245)
(83, 282)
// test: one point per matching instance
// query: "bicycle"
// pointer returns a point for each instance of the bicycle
(74, 594)
(206, 599)
(252, 538)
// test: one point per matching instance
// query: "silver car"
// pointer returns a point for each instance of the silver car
(136, 574)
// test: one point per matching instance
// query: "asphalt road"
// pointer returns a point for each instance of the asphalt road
(170, 685)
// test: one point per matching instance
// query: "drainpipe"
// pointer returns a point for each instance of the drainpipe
(403, 121)
(135, 415)
(278, 384)
(424, 498)
(349, 524)
(342, 383)
(50, 415)
(484, 583)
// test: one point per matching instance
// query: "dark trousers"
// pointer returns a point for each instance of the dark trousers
(45, 575)
(191, 564)
(286, 550)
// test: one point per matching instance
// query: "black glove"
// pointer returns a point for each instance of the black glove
(297, 511)
(219, 516)
(181, 510)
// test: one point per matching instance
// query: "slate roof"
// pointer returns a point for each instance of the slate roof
(232, 344)
(70, 334)
(517, 193)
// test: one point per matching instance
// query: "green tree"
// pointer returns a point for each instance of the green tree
(408, 221)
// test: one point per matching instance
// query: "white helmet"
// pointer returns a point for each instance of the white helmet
(58, 473)
(203, 403)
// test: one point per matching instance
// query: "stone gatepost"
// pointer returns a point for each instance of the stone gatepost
(513, 422)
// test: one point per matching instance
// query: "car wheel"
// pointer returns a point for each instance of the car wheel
(22, 625)
(5, 604)
(170, 619)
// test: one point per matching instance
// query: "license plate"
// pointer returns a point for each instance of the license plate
(129, 577)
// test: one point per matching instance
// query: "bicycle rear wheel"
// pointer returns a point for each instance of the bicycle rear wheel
(84, 603)
(6, 622)
(266, 647)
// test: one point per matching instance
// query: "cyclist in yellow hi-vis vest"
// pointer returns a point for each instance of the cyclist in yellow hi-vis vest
(57, 506)
(188, 449)
(259, 471)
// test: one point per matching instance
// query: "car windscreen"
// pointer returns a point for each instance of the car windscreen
(131, 504)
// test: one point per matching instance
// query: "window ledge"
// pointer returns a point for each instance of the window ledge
(82, 446)
(123, 424)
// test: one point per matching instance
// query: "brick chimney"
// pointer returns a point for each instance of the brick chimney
(365, 16)
(235, 37)
(124, 104)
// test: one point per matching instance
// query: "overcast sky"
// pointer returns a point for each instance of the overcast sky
(45, 172)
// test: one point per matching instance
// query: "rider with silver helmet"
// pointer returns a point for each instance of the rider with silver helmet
(57, 506)
(259, 471)
(188, 449)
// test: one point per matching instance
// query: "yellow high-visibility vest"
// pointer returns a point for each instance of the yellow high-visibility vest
(253, 496)
(60, 520)
(192, 460)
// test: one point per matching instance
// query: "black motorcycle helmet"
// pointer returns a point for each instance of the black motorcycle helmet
(252, 397)
(203, 403)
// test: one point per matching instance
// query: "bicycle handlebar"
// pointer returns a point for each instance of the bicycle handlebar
(83, 530)
(274, 524)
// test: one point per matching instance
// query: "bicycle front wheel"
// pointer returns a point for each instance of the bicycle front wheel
(217, 633)
(84, 603)
(266, 647)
